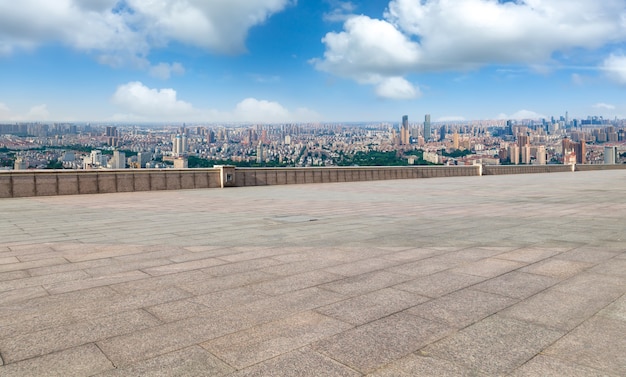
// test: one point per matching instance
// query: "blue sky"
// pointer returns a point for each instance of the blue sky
(297, 61)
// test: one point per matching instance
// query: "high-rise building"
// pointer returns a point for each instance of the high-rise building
(427, 131)
(259, 153)
(405, 136)
(179, 145)
(581, 152)
(610, 155)
(523, 140)
(514, 153)
(118, 161)
(20, 164)
(540, 155)
(112, 136)
(455, 140)
(525, 152)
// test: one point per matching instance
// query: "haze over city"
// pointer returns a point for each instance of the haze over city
(273, 61)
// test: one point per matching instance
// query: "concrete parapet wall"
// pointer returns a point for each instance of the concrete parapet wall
(15, 184)
(599, 167)
(524, 169)
(287, 176)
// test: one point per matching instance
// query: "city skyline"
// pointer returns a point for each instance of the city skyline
(275, 61)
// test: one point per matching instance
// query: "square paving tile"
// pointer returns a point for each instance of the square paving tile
(594, 344)
(369, 347)
(440, 284)
(192, 361)
(494, 346)
(552, 367)
(301, 363)
(462, 308)
(556, 309)
(557, 268)
(489, 267)
(416, 365)
(371, 306)
(516, 284)
(251, 346)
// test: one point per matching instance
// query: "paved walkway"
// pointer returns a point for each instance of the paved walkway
(520, 275)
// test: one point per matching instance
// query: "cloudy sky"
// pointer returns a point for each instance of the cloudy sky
(310, 60)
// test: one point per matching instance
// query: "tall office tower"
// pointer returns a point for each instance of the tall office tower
(525, 154)
(566, 145)
(427, 131)
(514, 154)
(112, 136)
(522, 140)
(610, 155)
(259, 153)
(509, 128)
(119, 160)
(540, 155)
(405, 137)
(581, 152)
(455, 140)
(179, 145)
(442, 133)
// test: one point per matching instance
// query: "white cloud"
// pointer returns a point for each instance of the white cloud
(140, 102)
(439, 35)
(615, 68)
(127, 30)
(397, 88)
(251, 110)
(151, 103)
(368, 49)
(39, 112)
(342, 10)
(522, 114)
(165, 70)
(35, 113)
(604, 106)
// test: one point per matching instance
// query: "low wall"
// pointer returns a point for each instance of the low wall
(14, 184)
(64, 182)
(599, 167)
(286, 176)
(525, 169)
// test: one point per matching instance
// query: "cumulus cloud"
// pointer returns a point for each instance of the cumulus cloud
(615, 68)
(440, 35)
(140, 102)
(397, 88)
(604, 106)
(127, 30)
(165, 70)
(35, 113)
(341, 11)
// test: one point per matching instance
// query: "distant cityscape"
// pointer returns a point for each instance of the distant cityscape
(593, 140)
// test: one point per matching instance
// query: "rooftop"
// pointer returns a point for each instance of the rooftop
(520, 275)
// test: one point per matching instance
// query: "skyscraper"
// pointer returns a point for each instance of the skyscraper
(405, 136)
(427, 131)
(610, 155)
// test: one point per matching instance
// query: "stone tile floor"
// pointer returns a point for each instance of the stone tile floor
(519, 275)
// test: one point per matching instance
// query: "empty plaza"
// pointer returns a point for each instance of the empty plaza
(520, 275)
